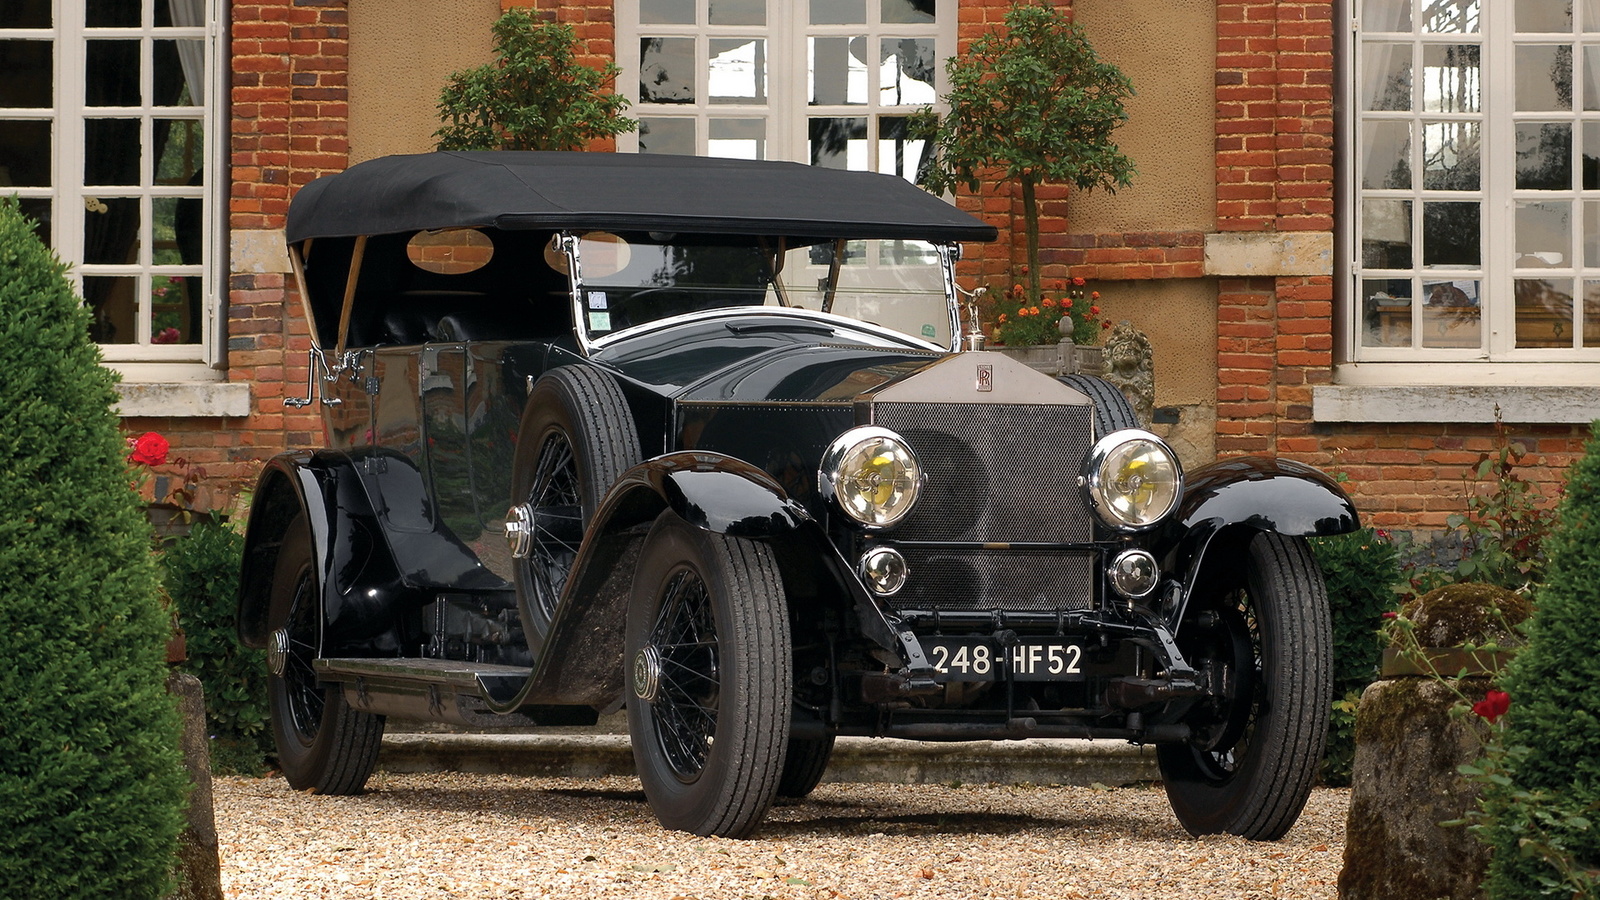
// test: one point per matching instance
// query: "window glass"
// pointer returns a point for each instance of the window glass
(666, 70)
(911, 12)
(738, 138)
(738, 12)
(29, 68)
(838, 142)
(838, 12)
(25, 153)
(663, 135)
(25, 14)
(666, 12)
(738, 71)
(905, 77)
(838, 71)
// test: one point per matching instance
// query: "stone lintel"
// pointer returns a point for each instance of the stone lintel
(1269, 253)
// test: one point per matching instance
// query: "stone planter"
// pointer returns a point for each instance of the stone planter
(1065, 358)
(1409, 743)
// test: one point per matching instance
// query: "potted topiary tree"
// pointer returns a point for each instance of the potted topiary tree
(1034, 103)
(534, 96)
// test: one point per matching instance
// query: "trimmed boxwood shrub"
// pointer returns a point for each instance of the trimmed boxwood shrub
(201, 574)
(1361, 570)
(91, 785)
(1542, 807)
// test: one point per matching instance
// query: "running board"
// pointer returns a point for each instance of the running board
(443, 690)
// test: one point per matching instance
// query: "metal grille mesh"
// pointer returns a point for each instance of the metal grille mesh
(995, 579)
(995, 473)
(1003, 473)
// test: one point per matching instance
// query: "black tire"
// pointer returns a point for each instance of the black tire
(576, 439)
(324, 746)
(708, 674)
(803, 765)
(1112, 411)
(1252, 761)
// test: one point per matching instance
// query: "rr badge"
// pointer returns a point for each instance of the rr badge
(985, 378)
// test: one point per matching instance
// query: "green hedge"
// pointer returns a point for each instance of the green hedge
(91, 784)
(1543, 804)
(201, 573)
(1362, 570)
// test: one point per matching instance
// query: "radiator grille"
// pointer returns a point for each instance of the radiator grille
(1002, 473)
(995, 473)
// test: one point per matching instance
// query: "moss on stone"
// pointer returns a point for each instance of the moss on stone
(1461, 614)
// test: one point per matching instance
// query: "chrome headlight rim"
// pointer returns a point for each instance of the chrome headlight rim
(830, 473)
(1097, 489)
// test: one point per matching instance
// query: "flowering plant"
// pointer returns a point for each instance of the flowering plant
(180, 483)
(1020, 323)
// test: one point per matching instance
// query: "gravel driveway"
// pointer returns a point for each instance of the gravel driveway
(488, 836)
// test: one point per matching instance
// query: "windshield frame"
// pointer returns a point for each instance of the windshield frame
(567, 243)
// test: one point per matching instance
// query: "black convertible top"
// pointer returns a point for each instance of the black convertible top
(621, 192)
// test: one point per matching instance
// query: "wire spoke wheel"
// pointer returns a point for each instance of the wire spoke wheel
(1264, 639)
(557, 520)
(708, 674)
(324, 746)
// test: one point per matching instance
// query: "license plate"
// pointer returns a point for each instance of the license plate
(978, 659)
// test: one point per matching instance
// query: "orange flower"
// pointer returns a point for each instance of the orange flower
(1002, 318)
(1033, 310)
(1067, 303)
(1077, 282)
(1094, 295)
(1016, 290)
(1048, 303)
(1060, 286)
(1094, 310)
(1105, 325)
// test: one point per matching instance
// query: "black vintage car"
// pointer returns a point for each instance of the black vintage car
(693, 437)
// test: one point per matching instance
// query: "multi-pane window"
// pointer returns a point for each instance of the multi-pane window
(829, 82)
(105, 111)
(1476, 171)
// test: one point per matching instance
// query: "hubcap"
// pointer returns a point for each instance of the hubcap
(278, 652)
(519, 530)
(647, 674)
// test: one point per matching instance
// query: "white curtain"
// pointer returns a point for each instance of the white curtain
(191, 53)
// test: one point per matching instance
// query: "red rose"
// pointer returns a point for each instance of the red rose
(1493, 706)
(150, 449)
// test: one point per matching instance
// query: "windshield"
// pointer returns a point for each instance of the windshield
(632, 279)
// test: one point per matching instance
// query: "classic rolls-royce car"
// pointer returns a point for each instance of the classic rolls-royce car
(704, 440)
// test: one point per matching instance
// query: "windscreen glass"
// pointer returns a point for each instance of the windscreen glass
(634, 279)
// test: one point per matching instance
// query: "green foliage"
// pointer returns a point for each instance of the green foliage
(201, 573)
(534, 96)
(91, 784)
(1036, 103)
(1503, 530)
(1541, 798)
(1362, 571)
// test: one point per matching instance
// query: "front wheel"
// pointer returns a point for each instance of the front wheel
(324, 746)
(708, 674)
(1264, 635)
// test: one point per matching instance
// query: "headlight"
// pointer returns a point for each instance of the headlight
(1133, 479)
(872, 474)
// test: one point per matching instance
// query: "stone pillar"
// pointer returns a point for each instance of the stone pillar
(199, 874)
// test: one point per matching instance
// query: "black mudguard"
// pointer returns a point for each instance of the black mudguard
(713, 491)
(1249, 494)
(361, 584)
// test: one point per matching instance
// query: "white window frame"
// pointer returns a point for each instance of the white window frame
(137, 361)
(788, 109)
(1497, 361)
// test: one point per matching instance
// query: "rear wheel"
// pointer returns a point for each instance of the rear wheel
(803, 765)
(577, 438)
(323, 745)
(708, 673)
(1264, 634)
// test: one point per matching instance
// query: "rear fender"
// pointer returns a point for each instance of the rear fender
(712, 491)
(1226, 502)
(361, 585)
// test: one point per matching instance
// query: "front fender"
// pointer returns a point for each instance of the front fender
(1251, 493)
(708, 490)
